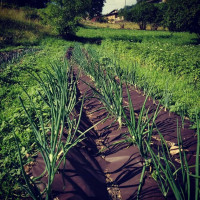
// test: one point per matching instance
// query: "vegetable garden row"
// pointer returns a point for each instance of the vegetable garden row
(106, 140)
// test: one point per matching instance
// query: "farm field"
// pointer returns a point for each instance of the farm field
(115, 138)
(160, 64)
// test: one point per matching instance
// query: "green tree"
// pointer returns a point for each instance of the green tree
(96, 8)
(158, 17)
(183, 15)
(142, 13)
(64, 15)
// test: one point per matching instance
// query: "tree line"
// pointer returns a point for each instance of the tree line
(176, 15)
(64, 15)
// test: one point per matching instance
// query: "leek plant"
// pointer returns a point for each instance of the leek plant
(179, 180)
(141, 130)
(131, 75)
(7, 58)
(59, 93)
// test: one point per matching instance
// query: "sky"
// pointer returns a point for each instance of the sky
(110, 5)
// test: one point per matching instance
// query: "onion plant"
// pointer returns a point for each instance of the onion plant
(87, 62)
(109, 92)
(59, 93)
(142, 127)
(140, 130)
(178, 180)
(166, 97)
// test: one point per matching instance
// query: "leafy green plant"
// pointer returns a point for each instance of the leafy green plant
(183, 16)
(142, 13)
(64, 16)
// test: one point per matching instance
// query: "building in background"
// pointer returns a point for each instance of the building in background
(156, 1)
(113, 17)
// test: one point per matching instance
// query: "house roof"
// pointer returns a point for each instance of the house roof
(114, 12)
(155, 1)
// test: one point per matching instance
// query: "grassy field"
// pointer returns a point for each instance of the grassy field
(20, 27)
(163, 62)
(119, 25)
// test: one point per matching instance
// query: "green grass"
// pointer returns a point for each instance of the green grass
(17, 29)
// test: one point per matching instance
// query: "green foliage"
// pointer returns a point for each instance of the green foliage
(183, 15)
(159, 13)
(12, 117)
(96, 8)
(31, 13)
(64, 16)
(145, 13)
(142, 13)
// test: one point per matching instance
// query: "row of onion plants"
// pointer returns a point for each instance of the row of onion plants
(7, 58)
(58, 92)
(141, 131)
(141, 127)
(107, 89)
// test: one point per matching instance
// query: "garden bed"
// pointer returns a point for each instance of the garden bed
(104, 167)
(88, 173)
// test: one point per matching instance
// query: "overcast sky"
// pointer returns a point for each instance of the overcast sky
(116, 4)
